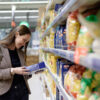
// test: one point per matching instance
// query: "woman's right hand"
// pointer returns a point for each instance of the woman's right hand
(20, 71)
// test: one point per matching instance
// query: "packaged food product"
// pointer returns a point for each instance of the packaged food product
(52, 32)
(57, 40)
(60, 37)
(95, 96)
(82, 97)
(93, 26)
(36, 67)
(51, 14)
(95, 82)
(96, 77)
(73, 80)
(57, 7)
(96, 46)
(53, 64)
(85, 39)
(85, 89)
(64, 44)
(73, 27)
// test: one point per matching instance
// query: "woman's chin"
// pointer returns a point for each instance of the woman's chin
(17, 47)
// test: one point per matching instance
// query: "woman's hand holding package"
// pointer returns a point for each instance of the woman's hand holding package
(20, 71)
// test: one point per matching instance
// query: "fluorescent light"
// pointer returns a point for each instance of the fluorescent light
(20, 11)
(13, 7)
(31, 2)
(20, 17)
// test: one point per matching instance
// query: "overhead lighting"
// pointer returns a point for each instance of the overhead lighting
(20, 11)
(31, 2)
(20, 17)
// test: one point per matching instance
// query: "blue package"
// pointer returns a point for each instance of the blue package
(36, 67)
(64, 70)
(55, 40)
(57, 36)
(64, 44)
(60, 37)
(58, 69)
(57, 7)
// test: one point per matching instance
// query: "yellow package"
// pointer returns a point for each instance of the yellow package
(73, 27)
(51, 16)
(82, 97)
(53, 64)
(51, 38)
(85, 40)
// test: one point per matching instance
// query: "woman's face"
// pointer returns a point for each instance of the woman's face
(21, 40)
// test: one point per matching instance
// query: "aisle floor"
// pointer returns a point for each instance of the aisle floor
(36, 88)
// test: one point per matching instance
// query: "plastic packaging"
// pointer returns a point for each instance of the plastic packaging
(36, 67)
(73, 79)
(95, 96)
(96, 46)
(85, 39)
(60, 37)
(57, 7)
(73, 27)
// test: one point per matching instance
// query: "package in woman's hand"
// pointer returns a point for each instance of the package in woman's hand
(36, 67)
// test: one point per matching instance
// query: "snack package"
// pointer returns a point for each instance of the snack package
(64, 44)
(96, 46)
(53, 64)
(82, 97)
(56, 39)
(73, 80)
(95, 96)
(52, 32)
(73, 27)
(36, 67)
(57, 7)
(85, 39)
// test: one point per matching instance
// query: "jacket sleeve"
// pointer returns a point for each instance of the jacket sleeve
(5, 74)
(26, 76)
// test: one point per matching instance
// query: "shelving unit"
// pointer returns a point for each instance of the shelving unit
(58, 84)
(50, 6)
(49, 89)
(70, 6)
(91, 61)
(60, 17)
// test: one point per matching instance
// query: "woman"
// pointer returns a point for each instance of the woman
(13, 75)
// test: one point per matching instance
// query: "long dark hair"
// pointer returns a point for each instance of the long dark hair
(23, 30)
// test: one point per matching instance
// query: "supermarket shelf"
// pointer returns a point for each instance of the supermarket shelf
(58, 84)
(71, 5)
(62, 53)
(50, 6)
(49, 89)
(60, 16)
(91, 60)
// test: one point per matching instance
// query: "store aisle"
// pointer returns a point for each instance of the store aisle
(36, 88)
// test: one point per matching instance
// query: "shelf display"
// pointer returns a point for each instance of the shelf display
(70, 47)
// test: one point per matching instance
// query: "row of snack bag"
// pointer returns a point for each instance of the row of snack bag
(83, 84)
(76, 35)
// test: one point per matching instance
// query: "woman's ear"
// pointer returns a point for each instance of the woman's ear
(17, 33)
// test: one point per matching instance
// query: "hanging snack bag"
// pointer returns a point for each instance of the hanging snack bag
(73, 27)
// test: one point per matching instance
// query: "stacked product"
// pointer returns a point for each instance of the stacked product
(83, 83)
(60, 38)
